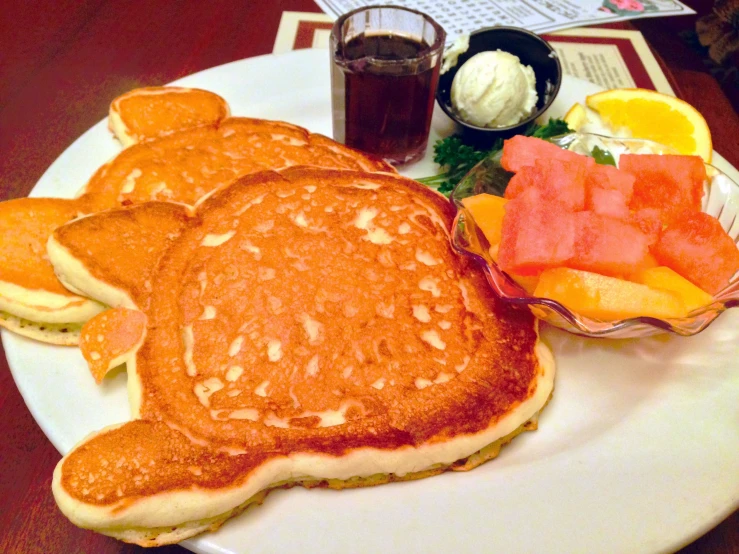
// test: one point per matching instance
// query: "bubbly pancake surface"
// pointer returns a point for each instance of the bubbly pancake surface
(306, 323)
(186, 165)
(153, 112)
(324, 303)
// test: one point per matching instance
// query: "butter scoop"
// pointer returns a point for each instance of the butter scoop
(494, 89)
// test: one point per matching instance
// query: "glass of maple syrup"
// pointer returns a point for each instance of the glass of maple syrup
(384, 72)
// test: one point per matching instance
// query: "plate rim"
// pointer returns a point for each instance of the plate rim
(201, 543)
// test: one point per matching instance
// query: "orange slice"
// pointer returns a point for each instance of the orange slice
(655, 116)
(576, 117)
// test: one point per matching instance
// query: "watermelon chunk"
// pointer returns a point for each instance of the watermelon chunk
(608, 246)
(537, 234)
(611, 178)
(522, 180)
(560, 181)
(671, 184)
(649, 220)
(520, 151)
(696, 246)
(608, 191)
(607, 202)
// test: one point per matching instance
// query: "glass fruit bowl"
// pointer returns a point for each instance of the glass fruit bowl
(721, 200)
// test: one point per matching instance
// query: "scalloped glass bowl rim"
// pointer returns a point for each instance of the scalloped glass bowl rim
(633, 327)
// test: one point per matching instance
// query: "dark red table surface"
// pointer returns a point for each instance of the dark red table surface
(60, 65)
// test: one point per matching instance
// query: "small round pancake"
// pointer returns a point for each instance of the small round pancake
(25, 226)
(153, 112)
(32, 300)
(306, 326)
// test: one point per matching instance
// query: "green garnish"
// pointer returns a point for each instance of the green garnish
(553, 128)
(603, 157)
(456, 158)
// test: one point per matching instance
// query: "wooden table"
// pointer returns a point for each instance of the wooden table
(60, 65)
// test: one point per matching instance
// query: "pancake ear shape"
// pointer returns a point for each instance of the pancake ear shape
(153, 112)
(111, 338)
(111, 256)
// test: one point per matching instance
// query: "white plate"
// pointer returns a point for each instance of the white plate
(638, 451)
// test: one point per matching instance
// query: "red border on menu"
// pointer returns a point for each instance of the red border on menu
(306, 30)
(625, 47)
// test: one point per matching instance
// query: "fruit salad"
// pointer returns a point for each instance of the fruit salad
(606, 242)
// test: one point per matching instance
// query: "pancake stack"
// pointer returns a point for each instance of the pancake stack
(181, 147)
(289, 311)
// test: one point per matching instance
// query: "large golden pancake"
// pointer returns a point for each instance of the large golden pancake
(154, 112)
(182, 166)
(306, 326)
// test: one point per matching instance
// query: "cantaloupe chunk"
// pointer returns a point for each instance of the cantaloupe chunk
(607, 298)
(487, 210)
(527, 282)
(666, 279)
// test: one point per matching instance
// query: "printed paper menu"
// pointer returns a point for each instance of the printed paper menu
(611, 58)
(540, 16)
